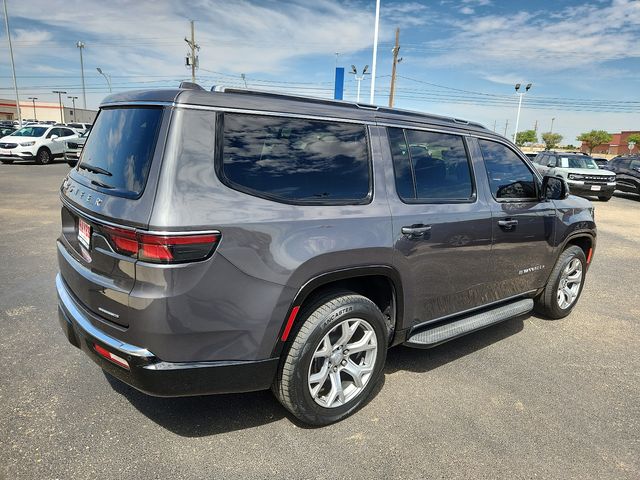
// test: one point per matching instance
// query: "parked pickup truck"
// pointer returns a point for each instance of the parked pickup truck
(232, 241)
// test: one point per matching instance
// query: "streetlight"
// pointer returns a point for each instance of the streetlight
(520, 95)
(33, 99)
(60, 92)
(80, 45)
(73, 100)
(553, 119)
(359, 79)
(106, 77)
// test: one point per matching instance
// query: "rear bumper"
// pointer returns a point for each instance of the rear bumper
(150, 374)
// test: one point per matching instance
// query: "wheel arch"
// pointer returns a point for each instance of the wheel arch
(380, 283)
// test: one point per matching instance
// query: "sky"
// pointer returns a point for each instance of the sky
(459, 58)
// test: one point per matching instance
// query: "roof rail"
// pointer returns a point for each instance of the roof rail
(190, 86)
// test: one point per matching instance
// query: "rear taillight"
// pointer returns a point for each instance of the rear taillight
(164, 248)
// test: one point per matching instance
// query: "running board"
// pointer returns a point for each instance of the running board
(429, 337)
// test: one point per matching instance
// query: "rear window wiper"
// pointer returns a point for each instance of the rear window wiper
(103, 185)
(94, 169)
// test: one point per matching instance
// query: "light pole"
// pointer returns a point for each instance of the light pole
(60, 92)
(73, 101)
(13, 65)
(375, 53)
(519, 106)
(80, 45)
(106, 77)
(33, 99)
(552, 120)
(354, 71)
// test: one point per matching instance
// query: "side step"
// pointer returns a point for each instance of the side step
(432, 336)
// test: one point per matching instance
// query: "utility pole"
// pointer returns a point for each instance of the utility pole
(494, 125)
(506, 125)
(60, 92)
(13, 65)
(375, 53)
(395, 51)
(535, 127)
(80, 45)
(33, 99)
(73, 100)
(552, 120)
(192, 58)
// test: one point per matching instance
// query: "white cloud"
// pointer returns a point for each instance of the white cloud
(467, 11)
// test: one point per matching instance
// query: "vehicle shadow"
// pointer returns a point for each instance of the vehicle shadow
(627, 196)
(204, 415)
(419, 360)
(215, 414)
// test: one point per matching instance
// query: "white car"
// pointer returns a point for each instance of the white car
(41, 143)
(80, 127)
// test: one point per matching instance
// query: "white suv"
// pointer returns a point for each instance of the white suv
(41, 143)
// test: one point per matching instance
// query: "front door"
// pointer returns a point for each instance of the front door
(441, 223)
(522, 225)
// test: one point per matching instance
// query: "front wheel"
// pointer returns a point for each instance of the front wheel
(604, 199)
(335, 360)
(565, 284)
(43, 157)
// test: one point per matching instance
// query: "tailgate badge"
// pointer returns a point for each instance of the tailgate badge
(85, 254)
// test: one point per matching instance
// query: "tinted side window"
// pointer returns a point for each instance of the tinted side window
(66, 132)
(635, 164)
(430, 166)
(509, 176)
(543, 160)
(297, 160)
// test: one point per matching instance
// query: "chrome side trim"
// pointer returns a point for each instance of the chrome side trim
(79, 318)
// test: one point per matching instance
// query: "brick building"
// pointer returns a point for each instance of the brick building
(617, 146)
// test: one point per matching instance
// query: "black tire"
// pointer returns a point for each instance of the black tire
(43, 157)
(7, 162)
(604, 199)
(291, 386)
(72, 163)
(547, 302)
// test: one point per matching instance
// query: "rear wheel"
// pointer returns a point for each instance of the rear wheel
(335, 360)
(43, 157)
(72, 163)
(564, 286)
(604, 199)
(6, 162)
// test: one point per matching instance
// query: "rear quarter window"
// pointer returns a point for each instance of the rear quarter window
(296, 160)
(118, 153)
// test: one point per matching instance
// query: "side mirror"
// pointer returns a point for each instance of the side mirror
(554, 188)
(54, 137)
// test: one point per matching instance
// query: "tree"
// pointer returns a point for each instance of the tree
(551, 140)
(635, 138)
(526, 136)
(594, 138)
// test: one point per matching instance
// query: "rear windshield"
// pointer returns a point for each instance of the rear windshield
(118, 154)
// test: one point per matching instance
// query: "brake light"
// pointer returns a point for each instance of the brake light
(162, 248)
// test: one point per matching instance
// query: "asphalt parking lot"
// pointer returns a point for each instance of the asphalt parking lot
(525, 399)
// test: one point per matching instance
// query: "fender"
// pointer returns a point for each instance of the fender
(326, 278)
(582, 233)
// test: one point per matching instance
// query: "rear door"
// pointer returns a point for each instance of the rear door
(522, 225)
(107, 195)
(441, 223)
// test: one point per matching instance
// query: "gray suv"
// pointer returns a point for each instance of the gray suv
(233, 241)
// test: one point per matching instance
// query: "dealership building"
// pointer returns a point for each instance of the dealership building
(619, 144)
(43, 111)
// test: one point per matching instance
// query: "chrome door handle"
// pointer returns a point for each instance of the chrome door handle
(416, 230)
(508, 223)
